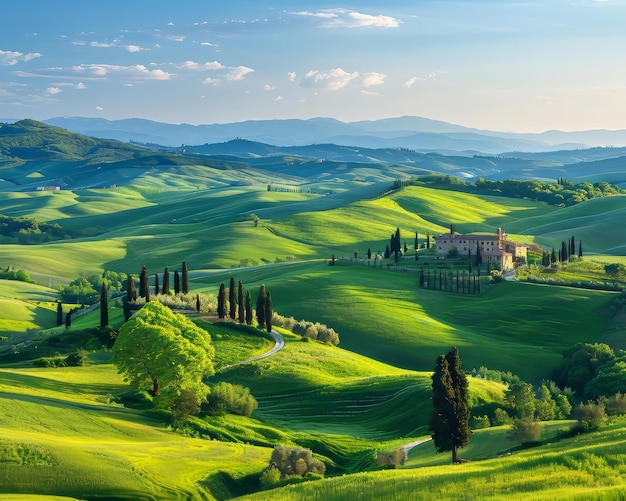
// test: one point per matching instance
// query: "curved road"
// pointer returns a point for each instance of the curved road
(279, 343)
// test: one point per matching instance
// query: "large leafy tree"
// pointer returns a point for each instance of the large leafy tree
(451, 411)
(165, 350)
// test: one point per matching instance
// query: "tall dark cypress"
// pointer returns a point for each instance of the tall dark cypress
(580, 249)
(260, 307)
(221, 302)
(157, 289)
(176, 282)
(268, 312)
(451, 409)
(563, 251)
(59, 313)
(104, 306)
(185, 278)
(241, 307)
(198, 303)
(166, 282)
(248, 308)
(131, 291)
(143, 281)
(232, 299)
(572, 247)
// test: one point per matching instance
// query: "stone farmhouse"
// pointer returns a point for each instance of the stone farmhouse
(494, 247)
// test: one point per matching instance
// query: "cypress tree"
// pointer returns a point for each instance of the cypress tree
(369, 253)
(232, 299)
(563, 251)
(416, 245)
(387, 252)
(553, 257)
(104, 306)
(59, 313)
(166, 282)
(572, 247)
(68, 319)
(248, 308)
(428, 240)
(147, 290)
(241, 307)
(185, 278)
(580, 249)
(260, 307)
(131, 291)
(143, 281)
(176, 282)
(268, 312)
(451, 410)
(198, 303)
(126, 310)
(221, 302)
(157, 290)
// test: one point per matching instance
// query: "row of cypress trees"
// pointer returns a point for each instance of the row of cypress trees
(240, 305)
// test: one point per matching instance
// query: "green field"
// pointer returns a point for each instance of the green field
(64, 433)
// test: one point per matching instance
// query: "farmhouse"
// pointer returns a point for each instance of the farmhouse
(494, 247)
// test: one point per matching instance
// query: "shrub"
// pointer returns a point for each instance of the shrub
(500, 417)
(615, 405)
(183, 406)
(233, 398)
(49, 362)
(136, 399)
(590, 416)
(525, 431)
(295, 461)
(78, 359)
(479, 422)
(270, 477)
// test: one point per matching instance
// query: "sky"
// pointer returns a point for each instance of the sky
(522, 66)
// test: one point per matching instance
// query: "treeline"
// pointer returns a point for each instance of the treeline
(563, 192)
(27, 230)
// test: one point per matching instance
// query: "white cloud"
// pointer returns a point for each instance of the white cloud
(292, 76)
(133, 48)
(81, 86)
(268, 87)
(279, 98)
(51, 91)
(330, 80)
(369, 93)
(209, 65)
(137, 72)
(210, 81)
(238, 73)
(373, 79)
(100, 44)
(99, 108)
(412, 81)
(10, 58)
(343, 18)
(209, 44)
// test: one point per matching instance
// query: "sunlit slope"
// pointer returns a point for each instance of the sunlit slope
(25, 306)
(596, 222)
(515, 327)
(579, 468)
(62, 437)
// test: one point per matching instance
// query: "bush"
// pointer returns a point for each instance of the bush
(590, 416)
(500, 417)
(615, 405)
(78, 359)
(49, 362)
(233, 398)
(296, 462)
(478, 422)
(270, 477)
(525, 431)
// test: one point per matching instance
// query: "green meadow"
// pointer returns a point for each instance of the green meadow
(65, 434)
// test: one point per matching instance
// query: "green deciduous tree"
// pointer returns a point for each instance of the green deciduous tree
(166, 350)
(451, 413)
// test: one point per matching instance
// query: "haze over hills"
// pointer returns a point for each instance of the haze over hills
(34, 154)
(416, 133)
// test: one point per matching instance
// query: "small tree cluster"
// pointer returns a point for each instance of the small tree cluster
(295, 461)
(230, 398)
(317, 331)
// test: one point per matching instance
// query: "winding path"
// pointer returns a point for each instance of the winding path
(279, 344)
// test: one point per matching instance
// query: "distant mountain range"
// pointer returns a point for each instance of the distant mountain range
(415, 133)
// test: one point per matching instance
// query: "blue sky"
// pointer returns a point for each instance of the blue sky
(525, 66)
